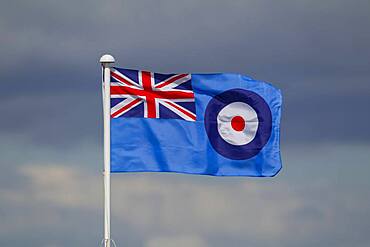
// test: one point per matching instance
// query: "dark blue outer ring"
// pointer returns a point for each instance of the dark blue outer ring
(263, 134)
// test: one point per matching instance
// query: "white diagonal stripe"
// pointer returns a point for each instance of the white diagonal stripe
(123, 104)
(120, 96)
(174, 83)
(125, 77)
(184, 116)
(183, 100)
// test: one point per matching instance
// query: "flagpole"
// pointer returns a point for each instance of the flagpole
(106, 62)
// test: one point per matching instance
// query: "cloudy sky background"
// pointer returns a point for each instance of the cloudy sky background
(317, 52)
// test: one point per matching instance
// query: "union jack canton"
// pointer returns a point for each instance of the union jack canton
(146, 94)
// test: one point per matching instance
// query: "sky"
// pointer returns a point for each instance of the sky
(316, 52)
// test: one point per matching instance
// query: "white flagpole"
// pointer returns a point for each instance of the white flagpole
(106, 62)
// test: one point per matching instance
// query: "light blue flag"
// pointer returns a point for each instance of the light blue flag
(210, 124)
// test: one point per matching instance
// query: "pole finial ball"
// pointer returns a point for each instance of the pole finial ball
(107, 59)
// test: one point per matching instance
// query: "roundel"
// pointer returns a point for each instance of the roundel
(238, 123)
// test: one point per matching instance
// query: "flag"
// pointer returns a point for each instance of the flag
(210, 124)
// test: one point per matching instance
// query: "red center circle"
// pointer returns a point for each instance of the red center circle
(238, 123)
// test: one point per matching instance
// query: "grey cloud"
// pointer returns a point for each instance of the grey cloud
(228, 36)
(149, 209)
(317, 53)
(180, 241)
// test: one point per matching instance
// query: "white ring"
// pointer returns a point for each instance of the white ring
(228, 133)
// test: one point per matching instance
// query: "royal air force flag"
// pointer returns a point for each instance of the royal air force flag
(210, 124)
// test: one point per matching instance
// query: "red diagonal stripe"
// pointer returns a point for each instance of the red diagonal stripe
(125, 107)
(171, 80)
(121, 79)
(182, 110)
